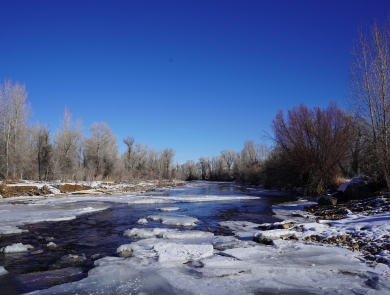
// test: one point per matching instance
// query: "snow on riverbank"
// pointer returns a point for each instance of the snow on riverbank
(174, 261)
(288, 260)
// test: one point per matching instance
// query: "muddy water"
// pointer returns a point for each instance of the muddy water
(91, 236)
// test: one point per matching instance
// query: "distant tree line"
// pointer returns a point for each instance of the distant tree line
(32, 152)
(246, 165)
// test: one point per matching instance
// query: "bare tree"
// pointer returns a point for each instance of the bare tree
(369, 85)
(67, 147)
(190, 170)
(42, 151)
(166, 160)
(14, 112)
(229, 157)
(129, 142)
(101, 151)
(312, 143)
(203, 165)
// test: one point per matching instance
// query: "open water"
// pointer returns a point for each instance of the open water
(95, 235)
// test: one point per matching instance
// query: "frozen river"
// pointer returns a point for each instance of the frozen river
(197, 239)
(95, 235)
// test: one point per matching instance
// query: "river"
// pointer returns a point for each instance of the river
(95, 235)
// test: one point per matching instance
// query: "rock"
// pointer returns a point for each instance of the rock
(327, 201)
(125, 253)
(69, 260)
(266, 226)
(51, 245)
(36, 252)
(358, 188)
(340, 195)
(285, 225)
(45, 190)
(263, 240)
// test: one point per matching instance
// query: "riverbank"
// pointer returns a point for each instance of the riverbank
(58, 189)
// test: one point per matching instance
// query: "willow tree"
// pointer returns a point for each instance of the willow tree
(312, 143)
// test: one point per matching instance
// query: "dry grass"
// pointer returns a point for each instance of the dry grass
(15, 191)
(70, 188)
(339, 181)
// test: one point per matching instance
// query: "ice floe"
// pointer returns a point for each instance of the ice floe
(3, 271)
(14, 248)
(168, 209)
(178, 220)
(142, 221)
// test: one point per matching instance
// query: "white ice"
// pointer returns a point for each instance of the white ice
(14, 248)
(165, 233)
(176, 267)
(3, 271)
(168, 209)
(142, 221)
(178, 220)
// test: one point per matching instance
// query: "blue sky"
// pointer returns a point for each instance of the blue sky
(196, 76)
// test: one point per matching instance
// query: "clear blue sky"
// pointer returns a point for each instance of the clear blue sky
(196, 76)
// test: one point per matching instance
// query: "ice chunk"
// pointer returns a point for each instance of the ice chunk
(10, 229)
(3, 271)
(189, 234)
(14, 248)
(142, 221)
(172, 252)
(178, 220)
(146, 233)
(168, 209)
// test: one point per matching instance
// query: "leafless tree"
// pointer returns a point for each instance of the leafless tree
(67, 147)
(42, 152)
(369, 85)
(190, 170)
(129, 142)
(313, 143)
(166, 160)
(203, 167)
(14, 112)
(101, 150)
(228, 156)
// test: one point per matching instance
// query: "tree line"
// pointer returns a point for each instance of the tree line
(32, 152)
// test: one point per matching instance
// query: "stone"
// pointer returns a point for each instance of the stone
(358, 189)
(327, 201)
(340, 195)
(125, 253)
(263, 240)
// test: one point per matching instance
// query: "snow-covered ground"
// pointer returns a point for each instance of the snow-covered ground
(188, 261)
